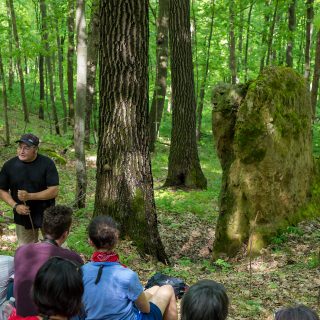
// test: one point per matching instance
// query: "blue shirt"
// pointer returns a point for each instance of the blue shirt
(114, 295)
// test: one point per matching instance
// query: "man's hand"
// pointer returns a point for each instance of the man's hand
(22, 209)
(23, 195)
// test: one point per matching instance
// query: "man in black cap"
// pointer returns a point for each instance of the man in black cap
(29, 184)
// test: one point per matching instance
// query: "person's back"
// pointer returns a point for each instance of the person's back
(113, 291)
(57, 291)
(300, 312)
(205, 300)
(29, 258)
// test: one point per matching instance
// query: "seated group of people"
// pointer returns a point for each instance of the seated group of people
(51, 282)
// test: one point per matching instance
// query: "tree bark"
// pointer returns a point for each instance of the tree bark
(43, 10)
(184, 166)
(19, 65)
(81, 174)
(70, 57)
(247, 42)
(41, 87)
(11, 72)
(264, 36)
(204, 82)
(160, 87)
(124, 179)
(61, 82)
(271, 31)
(316, 77)
(5, 103)
(309, 29)
(232, 44)
(93, 47)
(291, 27)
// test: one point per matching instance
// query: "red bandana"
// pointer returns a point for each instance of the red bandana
(101, 256)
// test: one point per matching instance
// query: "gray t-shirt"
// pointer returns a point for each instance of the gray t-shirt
(6, 271)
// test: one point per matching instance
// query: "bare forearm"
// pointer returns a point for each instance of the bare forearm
(6, 197)
(49, 193)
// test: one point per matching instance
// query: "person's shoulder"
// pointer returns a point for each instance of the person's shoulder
(11, 161)
(69, 254)
(43, 158)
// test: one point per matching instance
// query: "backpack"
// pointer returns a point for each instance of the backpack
(159, 279)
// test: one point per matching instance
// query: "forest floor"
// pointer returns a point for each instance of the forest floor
(287, 272)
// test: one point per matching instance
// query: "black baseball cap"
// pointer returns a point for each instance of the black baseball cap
(29, 139)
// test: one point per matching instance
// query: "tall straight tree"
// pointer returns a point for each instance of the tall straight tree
(80, 105)
(232, 44)
(309, 29)
(160, 87)
(43, 9)
(271, 32)
(292, 27)
(19, 65)
(204, 81)
(61, 80)
(247, 41)
(5, 103)
(184, 165)
(10, 71)
(93, 46)
(70, 57)
(124, 179)
(316, 77)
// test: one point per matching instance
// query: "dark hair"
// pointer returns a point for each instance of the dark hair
(57, 220)
(300, 312)
(58, 288)
(205, 300)
(103, 232)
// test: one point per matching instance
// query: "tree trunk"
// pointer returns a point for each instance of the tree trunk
(247, 43)
(291, 27)
(43, 10)
(264, 37)
(41, 87)
(316, 76)
(271, 31)
(309, 29)
(194, 46)
(240, 35)
(160, 87)
(70, 57)
(184, 166)
(232, 45)
(124, 179)
(80, 105)
(11, 72)
(5, 103)
(204, 82)
(19, 65)
(93, 47)
(61, 82)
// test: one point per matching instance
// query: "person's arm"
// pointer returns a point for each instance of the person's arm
(20, 208)
(142, 302)
(49, 193)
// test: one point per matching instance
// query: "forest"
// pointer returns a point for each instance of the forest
(194, 124)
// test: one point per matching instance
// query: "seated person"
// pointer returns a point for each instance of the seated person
(300, 312)
(57, 291)
(6, 272)
(113, 291)
(30, 257)
(205, 300)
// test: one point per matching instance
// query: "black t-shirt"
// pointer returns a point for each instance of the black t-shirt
(33, 177)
